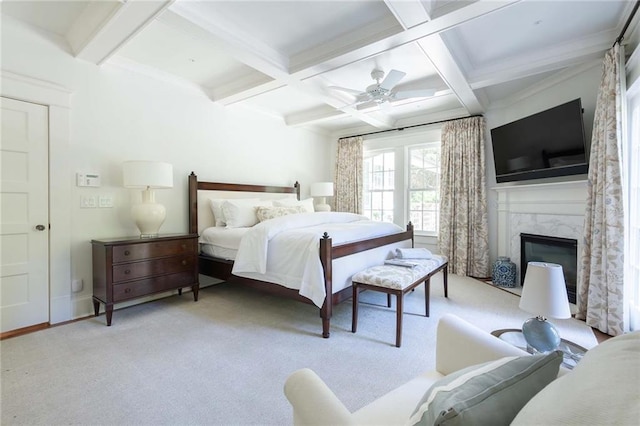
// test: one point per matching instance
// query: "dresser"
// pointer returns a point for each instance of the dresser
(133, 267)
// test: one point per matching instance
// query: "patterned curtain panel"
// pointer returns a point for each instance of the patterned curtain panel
(463, 204)
(349, 175)
(601, 266)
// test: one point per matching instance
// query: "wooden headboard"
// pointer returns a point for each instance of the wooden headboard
(225, 190)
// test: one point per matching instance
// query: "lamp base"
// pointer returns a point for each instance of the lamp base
(322, 206)
(540, 334)
(149, 215)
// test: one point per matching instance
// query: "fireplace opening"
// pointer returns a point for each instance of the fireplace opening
(542, 248)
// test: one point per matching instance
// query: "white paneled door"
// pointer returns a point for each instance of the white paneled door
(24, 215)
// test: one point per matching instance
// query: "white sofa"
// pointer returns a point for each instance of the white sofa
(595, 392)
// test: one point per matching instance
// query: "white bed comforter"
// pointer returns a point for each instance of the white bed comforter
(287, 248)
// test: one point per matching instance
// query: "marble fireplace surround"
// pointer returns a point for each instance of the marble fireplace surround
(551, 209)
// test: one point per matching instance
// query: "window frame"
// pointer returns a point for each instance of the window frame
(400, 144)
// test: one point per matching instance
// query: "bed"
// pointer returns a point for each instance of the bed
(336, 254)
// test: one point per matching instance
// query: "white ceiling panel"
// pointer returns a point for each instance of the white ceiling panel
(54, 16)
(172, 51)
(531, 25)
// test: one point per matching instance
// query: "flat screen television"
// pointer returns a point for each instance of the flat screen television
(550, 143)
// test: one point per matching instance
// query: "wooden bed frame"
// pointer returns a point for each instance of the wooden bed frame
(221, 268)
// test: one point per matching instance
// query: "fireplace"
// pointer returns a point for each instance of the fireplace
(542, 248)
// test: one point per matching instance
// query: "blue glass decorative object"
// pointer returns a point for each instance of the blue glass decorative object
(540, 334)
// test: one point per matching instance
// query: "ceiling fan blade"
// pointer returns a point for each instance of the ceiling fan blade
(392, 79)
(347, 90)
(407, 94)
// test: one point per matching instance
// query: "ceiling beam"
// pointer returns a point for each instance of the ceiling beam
(343, 56)
(409, 14)
(104, 27)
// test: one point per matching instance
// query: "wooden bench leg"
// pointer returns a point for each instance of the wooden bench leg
(354, 312)
(399, 312)
(445, 275)
(427, 293)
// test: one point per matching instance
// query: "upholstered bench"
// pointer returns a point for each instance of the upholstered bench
(398, 280)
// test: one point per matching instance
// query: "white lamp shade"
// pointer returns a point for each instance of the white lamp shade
(544, 292)
(322, 189)
(147, 174)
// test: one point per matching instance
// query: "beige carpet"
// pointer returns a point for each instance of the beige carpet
(224, 359)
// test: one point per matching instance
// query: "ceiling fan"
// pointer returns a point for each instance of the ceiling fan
(382, 92)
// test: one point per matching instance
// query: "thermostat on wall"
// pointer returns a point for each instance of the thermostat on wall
(87, 179)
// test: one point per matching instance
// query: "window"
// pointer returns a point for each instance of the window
(631, 175)
(424, 187)
(402, 181)
(379, 186)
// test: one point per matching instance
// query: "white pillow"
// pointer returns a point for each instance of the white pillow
(218, 214)
(241, 213)
(290, 202)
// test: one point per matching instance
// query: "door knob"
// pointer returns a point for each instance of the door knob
(40, 227)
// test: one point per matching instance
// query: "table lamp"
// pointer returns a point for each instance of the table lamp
(148, 215)
(544, 294)
(322, 190)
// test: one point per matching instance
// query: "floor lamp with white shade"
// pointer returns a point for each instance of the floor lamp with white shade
(149, 175)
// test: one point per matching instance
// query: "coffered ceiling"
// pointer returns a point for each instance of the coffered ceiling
(286, 58)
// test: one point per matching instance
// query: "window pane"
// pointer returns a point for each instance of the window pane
(424, 187)
(379, 186)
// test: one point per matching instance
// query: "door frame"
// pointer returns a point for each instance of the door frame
(58, 100)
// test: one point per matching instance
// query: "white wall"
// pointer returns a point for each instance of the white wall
(118, 115)
(553, 206)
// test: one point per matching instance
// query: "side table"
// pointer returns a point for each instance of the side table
(573, 353)
(132, 267)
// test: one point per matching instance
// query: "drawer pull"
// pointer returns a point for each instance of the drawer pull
(127, 272)
(184, 247)
(127, 252)
(184, 263)
(127, 290)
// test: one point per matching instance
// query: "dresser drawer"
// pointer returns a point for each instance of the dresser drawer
(134, 270)
(133, 289)
(126, 253)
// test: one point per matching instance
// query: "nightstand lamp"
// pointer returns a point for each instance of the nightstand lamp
(322, 190)
(148, 175)
(544, 294)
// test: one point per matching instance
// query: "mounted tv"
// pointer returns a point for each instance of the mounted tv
(550, 143)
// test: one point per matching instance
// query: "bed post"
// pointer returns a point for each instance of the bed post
(327, 306)
(193, 203)
(297, 187)
(410, 229)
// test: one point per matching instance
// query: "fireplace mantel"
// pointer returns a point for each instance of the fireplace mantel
(555, 209)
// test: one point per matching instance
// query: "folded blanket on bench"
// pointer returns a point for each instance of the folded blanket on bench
(413, 253)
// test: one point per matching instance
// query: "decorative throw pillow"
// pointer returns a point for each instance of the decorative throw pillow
(241, 213)
(218, 213)
(288, 202)
(601, 390)
(488, 394)
(266, 213)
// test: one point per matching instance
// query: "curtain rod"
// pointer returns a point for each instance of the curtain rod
(626, 25)
(399, 129)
